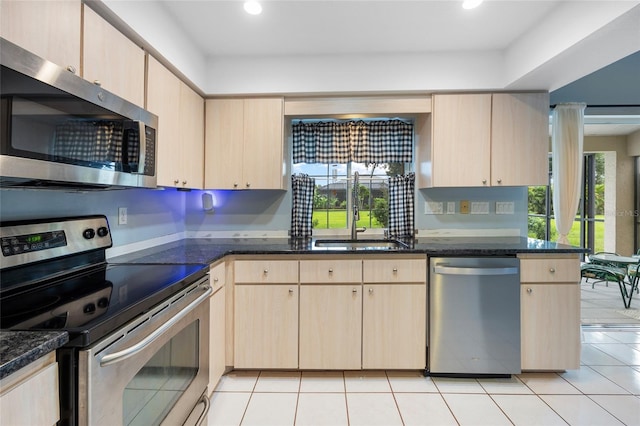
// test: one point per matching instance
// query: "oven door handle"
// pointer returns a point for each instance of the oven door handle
(132, 350)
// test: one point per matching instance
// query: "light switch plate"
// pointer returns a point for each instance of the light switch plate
(505, 207)
(480, 207)
(451, 207)
(433, 207)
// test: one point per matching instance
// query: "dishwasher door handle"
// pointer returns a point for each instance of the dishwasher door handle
(445, 269)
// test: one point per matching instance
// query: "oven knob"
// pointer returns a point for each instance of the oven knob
(103, 231)
(103, 302)
(89, 308)
(88, 233)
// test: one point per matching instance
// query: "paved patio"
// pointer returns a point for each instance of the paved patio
(603, 305)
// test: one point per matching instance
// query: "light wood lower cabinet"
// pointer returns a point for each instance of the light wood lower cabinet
(550, 312)
(266, 326)
(217, 326)
(266, 314)
(30, 395)
(330, 326)
(394, 326)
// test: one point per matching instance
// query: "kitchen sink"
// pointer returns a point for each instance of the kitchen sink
(362, 244)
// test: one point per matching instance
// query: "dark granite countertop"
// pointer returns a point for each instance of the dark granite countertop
(20, 348)
(208, 250)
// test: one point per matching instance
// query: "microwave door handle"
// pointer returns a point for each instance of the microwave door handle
(132, 350)
(143, 146)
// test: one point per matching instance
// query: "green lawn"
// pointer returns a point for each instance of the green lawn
(337, 219)
(574, 234)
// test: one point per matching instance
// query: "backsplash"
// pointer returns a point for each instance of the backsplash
(150, 213)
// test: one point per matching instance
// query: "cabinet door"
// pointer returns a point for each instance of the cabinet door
(266, 326)
(224, 143)
(112, 59)
(394, 321)
(263, 144)
(330, 327)
(48, 29)
(191, 121)
(520, 139)
(163, 96)
(550, 326)
(216, 338)
(461, 148)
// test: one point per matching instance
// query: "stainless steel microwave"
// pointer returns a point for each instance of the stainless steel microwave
(59, 130)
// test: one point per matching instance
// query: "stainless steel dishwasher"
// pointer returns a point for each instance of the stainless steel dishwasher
(474, 316)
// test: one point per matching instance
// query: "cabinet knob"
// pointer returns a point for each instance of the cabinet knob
(184, 182)
(248, 184)
(97, 82)
(370, 290)
(354, 291)
(215, 279)
(330, 270)
(395, 270)
(529, 290)
(266, 271)
(235, 184)
(552, 270)
(290, 291)
(499, 180)
(484, 181)
(176, 181)
(71, 69)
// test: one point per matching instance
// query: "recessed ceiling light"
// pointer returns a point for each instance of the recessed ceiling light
(252, 7)
(471, 4)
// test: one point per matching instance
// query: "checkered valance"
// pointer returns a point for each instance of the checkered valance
(382, 141)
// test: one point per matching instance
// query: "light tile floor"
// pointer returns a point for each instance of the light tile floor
(604, 391)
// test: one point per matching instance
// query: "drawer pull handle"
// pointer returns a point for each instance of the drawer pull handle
(552, 270)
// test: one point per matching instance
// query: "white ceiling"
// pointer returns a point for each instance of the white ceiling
(308, 27)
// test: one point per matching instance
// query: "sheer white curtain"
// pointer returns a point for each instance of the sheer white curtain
(567, 145)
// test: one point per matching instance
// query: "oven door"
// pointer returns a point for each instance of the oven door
(152, 371)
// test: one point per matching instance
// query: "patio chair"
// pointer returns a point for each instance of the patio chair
(614, 274)
(598, 262)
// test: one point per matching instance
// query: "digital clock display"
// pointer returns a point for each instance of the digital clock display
(21, 244)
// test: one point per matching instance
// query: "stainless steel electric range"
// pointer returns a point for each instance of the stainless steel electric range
(138, 333)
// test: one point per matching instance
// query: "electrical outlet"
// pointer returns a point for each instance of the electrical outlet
(464, 207)
(122, 216)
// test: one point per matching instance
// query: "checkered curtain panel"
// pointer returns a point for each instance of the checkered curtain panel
(302, 205)
(401, 200)
(365, 142)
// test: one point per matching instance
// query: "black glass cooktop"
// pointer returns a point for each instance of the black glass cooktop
(91, 303)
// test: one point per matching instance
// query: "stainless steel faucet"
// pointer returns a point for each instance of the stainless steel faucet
(356, 210)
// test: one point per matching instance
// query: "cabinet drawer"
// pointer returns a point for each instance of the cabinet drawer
(217, 276)
(330, 271)
(549, 270)
(33, 401)
(390, 271)
(266, 271)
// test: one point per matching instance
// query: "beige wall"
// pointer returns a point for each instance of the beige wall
(619, 169)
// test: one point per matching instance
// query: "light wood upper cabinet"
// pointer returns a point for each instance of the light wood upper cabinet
(244, 143)
(550, 312)
(520, 139)
(111, 59)
(488, 140)
(180, 140)
(48, 29)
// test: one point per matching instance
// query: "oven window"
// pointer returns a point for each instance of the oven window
(156, 388)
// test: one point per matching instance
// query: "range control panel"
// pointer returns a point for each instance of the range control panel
(25, 242)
